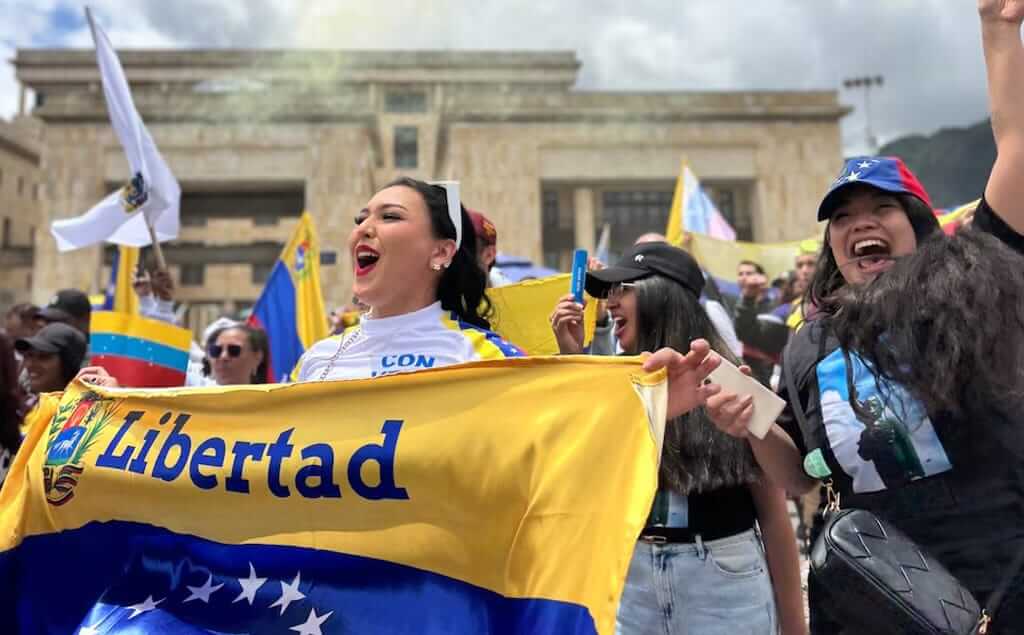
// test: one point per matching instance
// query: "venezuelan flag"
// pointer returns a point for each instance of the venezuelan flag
(693, 211)
(463, 499)
(521, 313)
(119, 294)
(138, 351)
(951, 219)
(291, 307)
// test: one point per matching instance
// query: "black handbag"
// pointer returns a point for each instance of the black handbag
(878, 581)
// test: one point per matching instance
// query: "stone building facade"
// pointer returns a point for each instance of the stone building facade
(21, 191)
(254, 137)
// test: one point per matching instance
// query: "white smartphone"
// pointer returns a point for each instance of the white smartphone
(767, 405)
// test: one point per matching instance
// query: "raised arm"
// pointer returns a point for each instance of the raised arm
(1004, 60)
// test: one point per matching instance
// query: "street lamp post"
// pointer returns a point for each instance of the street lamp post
(866, 83)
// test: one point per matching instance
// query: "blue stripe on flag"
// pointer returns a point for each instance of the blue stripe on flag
(137, 348)
(125, 577)
(508, 349)
(275, 313)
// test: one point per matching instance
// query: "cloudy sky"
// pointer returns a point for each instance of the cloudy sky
(927, 50)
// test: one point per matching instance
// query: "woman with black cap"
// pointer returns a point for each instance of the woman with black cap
(702, 541)
(52, 357)
(905, 414)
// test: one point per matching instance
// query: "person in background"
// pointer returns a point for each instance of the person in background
(236, 354)
(52, 357)
(754, 300)
(604, 341)
(156, 295)
(782, 285)
(69, 306)
(487, 248)
(198, 372)
(699, 566)
(765, 333)
(805, 266)
(13, 403)
(22, 320)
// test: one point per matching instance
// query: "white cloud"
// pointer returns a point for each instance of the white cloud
(928, 50)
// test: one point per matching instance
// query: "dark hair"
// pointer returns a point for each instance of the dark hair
(788, 289)
(71, 361)
(25, 311)
(945, 323)
(828, 279)
(257, 341)
(12, 397)
(696, 456)
(750, 263)
(463, 284)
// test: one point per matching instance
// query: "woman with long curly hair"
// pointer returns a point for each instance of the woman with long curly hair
(911, 375)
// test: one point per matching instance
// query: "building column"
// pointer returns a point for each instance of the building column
(72, 167)
(585, 212)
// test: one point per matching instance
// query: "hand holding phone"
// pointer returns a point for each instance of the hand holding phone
(579, 274)
(767, 405)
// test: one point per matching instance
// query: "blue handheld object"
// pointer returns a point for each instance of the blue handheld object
(579, 273)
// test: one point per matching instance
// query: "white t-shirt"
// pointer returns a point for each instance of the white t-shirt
(428, 338)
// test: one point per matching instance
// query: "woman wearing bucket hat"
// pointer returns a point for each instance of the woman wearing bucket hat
(713, 505)
(910, 376)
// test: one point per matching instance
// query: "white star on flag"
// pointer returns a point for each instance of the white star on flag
(249, 586)
(202, 592)
(147, 605)
(866, 164)
(854, 176)
(289, 593)
(312, 624)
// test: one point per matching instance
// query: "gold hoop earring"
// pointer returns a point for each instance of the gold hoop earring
(435, 267)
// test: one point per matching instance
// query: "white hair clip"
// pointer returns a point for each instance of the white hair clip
(454, 208)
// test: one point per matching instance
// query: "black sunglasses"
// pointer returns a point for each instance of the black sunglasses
(216, 350)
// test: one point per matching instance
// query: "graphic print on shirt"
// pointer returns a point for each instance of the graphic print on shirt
(890, 442)
(403, 363)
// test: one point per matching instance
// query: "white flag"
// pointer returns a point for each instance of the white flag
(152, 193)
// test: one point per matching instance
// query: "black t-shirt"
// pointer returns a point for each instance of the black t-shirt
(726, 511)
(722, 512)
(898, 462)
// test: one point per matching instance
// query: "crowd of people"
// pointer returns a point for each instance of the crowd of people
(895, 347)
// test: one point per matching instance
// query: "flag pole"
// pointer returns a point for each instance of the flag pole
(158, 252)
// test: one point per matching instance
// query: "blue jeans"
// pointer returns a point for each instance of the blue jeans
(701, 588)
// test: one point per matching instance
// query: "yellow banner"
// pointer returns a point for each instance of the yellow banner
(475, 481)
(721, 257)
(521, 313)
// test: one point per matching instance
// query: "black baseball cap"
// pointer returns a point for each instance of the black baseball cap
(643, 261)
(67, 304)
(60, 338)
